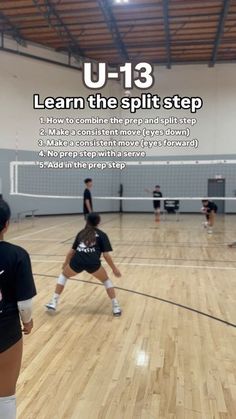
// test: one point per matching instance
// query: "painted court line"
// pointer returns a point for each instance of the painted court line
(191, 309)
(40, 231)
(146, 258)
(225, 268)
(40, 240)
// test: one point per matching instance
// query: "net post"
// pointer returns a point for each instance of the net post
(12, 178)
(121, 190)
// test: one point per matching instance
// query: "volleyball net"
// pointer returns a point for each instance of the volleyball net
(186, 181)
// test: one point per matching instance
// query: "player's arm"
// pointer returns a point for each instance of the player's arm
(25, 291)
(68, 258)
(25, 311)
(148, 190)
(110, 262)
(88, 206)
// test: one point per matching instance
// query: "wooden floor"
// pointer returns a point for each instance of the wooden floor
(173, 352)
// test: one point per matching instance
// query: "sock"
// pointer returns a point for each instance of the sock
(8, 407)
(114, 301)
(56, 296)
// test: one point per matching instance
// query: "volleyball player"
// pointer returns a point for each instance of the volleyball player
(209, 209)
(88, 203)
(156, 203)
(16, 291)
(89, 245)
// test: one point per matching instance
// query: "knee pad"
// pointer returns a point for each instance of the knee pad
(8, 407)
(62, 280)
(108, 284)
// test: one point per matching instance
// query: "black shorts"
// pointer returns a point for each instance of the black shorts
(79, 267)
(208, 213)
(10, 331)
(156, 206)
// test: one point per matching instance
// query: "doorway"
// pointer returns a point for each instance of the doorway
(216, 187)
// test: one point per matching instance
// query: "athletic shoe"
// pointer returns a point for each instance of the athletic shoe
(116, 310)
(205, 224)
(52, 305)
(209, 231)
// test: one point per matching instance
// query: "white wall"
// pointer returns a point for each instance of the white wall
(20, 79)
(215, 129)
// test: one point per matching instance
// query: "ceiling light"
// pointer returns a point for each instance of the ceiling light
(121, 1)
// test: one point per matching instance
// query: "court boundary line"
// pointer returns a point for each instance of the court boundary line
(39, 231)
(157, 244)
(147, 258)
(152, 265)
(193, 310)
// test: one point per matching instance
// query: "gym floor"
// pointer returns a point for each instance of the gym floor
(172, 352)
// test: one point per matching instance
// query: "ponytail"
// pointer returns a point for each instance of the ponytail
(5, 214)
(88, 234)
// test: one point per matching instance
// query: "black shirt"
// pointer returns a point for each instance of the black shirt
(87, 196)
(16, 278)
(156, 194)
(90, 255)
(211, 206)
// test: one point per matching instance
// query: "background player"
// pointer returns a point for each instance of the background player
(88, 203)
(156, 203)
(209, 209)
(16, 291)
(85, 255)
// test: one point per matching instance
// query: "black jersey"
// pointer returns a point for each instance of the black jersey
(90, 255)
(211, 206)
(156, 203)
(16, 278)
(87, 196)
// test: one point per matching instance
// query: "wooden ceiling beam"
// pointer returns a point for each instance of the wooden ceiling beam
(112, 25)
(220, 31)
(48, 10)
(7, 26)
(167, 32)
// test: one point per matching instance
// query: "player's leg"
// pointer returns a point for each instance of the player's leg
(102, 276)
(60, 285)
(158, 214)
(211, 221)
(206, 223)
(10, 364)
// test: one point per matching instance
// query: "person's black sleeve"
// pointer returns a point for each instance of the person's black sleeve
(105, 245)
(25, 286)
(211, 207)
(76, 242)
(87, 194)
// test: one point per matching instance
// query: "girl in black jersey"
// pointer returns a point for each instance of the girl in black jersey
(209, 209)
(89, 245)
(16, 291)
